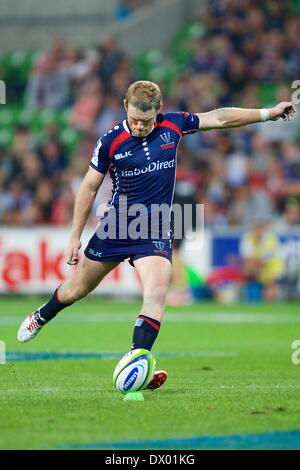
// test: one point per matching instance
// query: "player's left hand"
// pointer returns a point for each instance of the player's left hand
(284, 110)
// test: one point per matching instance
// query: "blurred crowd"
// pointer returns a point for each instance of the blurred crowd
(250, 50)
(126, 8)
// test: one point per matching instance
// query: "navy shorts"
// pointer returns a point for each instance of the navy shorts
(120, 250)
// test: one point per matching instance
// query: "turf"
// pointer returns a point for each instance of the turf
(230, 372)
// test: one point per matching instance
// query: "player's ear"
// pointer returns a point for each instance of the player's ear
(125, 105)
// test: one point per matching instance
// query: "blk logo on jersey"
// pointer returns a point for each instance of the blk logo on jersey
(123, 155)
(166, 137)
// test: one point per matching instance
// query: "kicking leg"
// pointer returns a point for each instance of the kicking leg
(86, 277)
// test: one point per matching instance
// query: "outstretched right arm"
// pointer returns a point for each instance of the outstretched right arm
(83, 204)
(226, 118)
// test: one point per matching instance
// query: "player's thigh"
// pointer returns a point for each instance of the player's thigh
(90, 273)
(155, 275)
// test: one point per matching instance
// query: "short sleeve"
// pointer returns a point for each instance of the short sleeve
(190, 123)
(100, 160)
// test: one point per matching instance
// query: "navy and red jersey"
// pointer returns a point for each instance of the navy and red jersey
(143, 168)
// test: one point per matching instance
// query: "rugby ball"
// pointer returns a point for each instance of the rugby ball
(134, 371)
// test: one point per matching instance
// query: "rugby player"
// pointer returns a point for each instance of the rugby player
(140, 154)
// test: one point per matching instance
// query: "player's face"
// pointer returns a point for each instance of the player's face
(140, 122)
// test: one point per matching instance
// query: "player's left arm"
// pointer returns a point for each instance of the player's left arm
(225, 118)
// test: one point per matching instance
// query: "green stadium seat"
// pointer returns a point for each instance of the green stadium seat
(26, 117)
(182, 44)
(21, 62)
(17, 59)
(37, 120)
(4, 63)
(70, 138)
(15, 68)
(294, 6)
(63, 118)
(146, 60)
(47, 116)
(165, 74)
(189, 32)
(7, 116)
(6, 136)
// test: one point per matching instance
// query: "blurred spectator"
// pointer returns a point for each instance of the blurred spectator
(112, 112)
(75, 172)
(214, 212)
(13, 200)
(57, 52)
(88, 105)
(289, 220)
(49, 85)
(125, 8)
(62, 210)
(237, 169)
(31, 214)
(44, 200)
(111, 55)
(11, 160)
(80, 66)
(31, 170)
(52, 157)
(262, 264)
(248, 201)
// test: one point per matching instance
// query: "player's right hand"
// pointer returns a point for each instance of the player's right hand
(72, 252)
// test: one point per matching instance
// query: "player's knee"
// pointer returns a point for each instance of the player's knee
(156, 296)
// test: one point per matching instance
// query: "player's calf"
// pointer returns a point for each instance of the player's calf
(145, 332)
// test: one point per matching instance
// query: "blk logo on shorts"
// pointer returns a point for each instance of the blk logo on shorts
(95, 253)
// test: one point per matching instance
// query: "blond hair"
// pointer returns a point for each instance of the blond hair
(144, 95)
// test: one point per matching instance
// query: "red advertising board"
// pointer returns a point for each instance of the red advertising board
(32, 260)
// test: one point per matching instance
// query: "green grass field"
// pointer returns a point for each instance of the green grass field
(230, 373)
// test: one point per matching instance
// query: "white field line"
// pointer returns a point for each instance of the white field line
(181, 317)
(233, 388)
(19, 356)
(51, 390)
